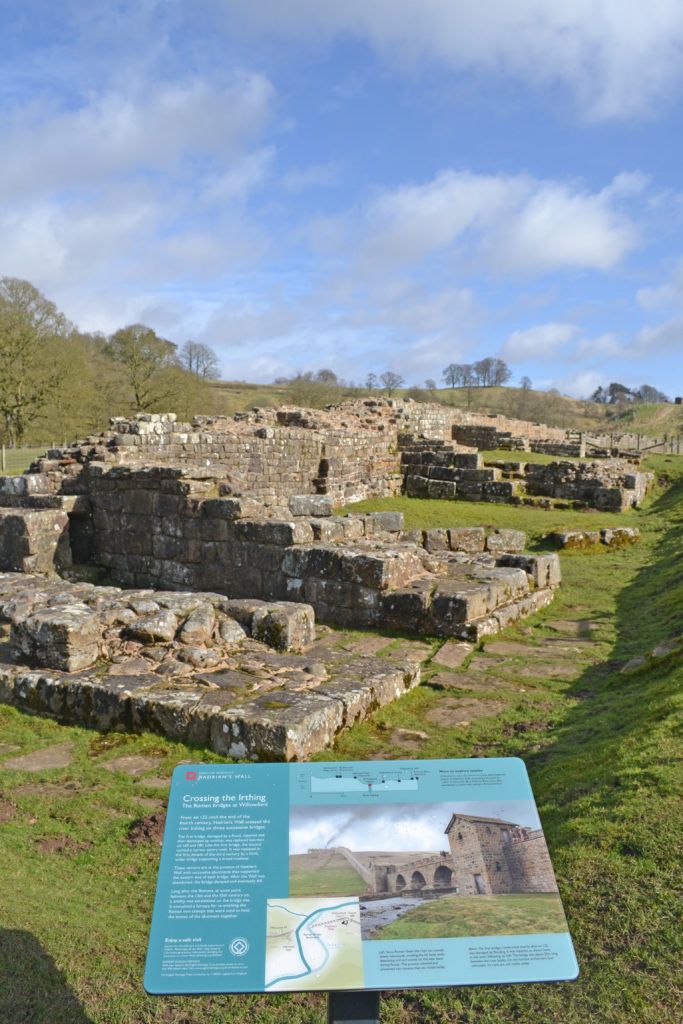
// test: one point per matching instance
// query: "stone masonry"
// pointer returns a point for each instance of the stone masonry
(486, 856)
(235, 518)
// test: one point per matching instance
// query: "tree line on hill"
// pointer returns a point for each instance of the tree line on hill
(616, 393)
(57, 382)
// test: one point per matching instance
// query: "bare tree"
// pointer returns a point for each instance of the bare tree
(326, 376)
(430, 384)
(371, 381)
(525, 383)
(144, 357)
(200, 359)
(500, 373)
(391, 381)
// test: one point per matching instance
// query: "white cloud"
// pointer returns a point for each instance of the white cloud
(669, 294)
(513, 224)
(581, 384)
(619, 58)
(114, 134)
(664, 337)
(540, 342)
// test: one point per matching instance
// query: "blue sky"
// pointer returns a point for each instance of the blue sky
(378, 184)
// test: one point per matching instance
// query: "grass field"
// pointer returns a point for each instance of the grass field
(323, 875)
(603, 753)
(456, 916)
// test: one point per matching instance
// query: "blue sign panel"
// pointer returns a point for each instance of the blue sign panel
(354, 875)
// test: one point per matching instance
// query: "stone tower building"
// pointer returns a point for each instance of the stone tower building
(492, 856)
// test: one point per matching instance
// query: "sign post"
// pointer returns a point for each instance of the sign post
(352, 878)
(353, 1008)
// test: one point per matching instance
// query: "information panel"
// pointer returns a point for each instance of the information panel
(354, 875)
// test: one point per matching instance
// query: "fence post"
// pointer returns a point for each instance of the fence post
(4, 461)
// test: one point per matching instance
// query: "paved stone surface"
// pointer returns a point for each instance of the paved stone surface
(453, 654)
(512, 647)
(58, 756)
(367, 644)
(547, 670)
(573, 627)
(133, 764)
(468, 681)
(463, 711)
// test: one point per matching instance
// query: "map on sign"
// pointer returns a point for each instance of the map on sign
(313, 944)
(354, 875)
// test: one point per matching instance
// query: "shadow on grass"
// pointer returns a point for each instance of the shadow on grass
(32, 988)
(600, 747)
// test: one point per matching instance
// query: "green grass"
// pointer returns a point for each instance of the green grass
(604, 757)
(504, 455)
(455, 916)
(536, 522)
(331, 876)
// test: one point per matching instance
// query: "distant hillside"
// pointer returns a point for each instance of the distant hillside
(541, 406)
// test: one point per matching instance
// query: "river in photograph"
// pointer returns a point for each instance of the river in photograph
(378, 913)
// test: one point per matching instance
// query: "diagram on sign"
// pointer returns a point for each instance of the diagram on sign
(313, 944)
(360, 781)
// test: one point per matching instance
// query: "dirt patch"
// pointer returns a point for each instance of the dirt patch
(58, 789)
(133, 764)
(154, 782)
(7, 810)
(57, 756)
(8, 748)
(521, 727)
(149, 829)
(61, 844)
(463, 712)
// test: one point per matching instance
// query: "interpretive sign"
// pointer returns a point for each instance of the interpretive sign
(354, 875)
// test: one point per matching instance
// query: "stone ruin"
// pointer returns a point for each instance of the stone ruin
(223, 534)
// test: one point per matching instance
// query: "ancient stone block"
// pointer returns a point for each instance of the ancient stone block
(544, 569)
(284, 627)
(471, 540)
(318, 505)
(63, 638)
(436, 540)
(504, 541)
(384, 522)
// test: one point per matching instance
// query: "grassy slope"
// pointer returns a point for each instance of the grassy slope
(604, 757)
(452, 916)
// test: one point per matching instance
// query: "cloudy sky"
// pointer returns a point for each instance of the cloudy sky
(394, 826)
(366, 185)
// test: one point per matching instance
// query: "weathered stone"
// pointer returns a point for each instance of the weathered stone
(505, 541)
(198, 626)
(63, 638)
(59, 755)
(318, 505)
(453, 654)
(471, 540)
(230, 631)
(159, 626)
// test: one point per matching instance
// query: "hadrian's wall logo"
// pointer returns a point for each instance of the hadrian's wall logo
(190, 776)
